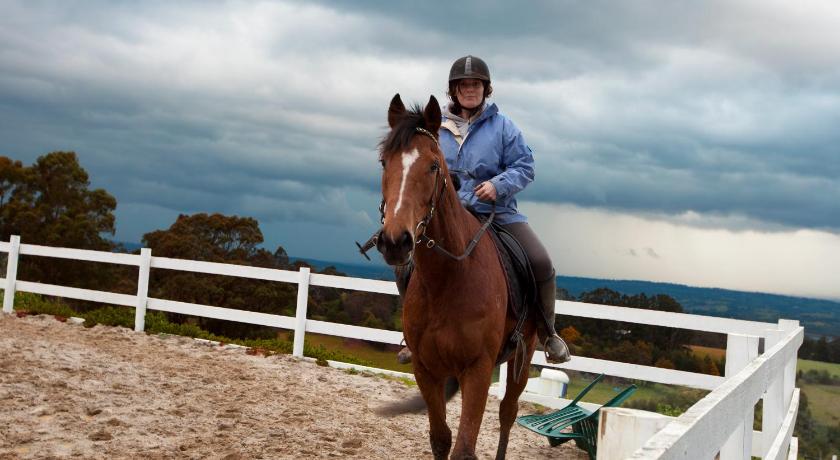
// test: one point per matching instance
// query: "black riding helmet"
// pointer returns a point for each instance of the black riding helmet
(469, 67)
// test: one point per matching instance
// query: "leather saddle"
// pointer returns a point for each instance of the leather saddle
(521, 287)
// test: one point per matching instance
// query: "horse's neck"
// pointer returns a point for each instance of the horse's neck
(452, 228)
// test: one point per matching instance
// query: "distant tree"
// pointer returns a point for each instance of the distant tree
(631, 342)
(821, 349)
(563, 294)
(281, 259)
(51, 203)
(570, 334)
(366, 308)
(237, 240)
(664, 363)
(209, 237)
(834, 351)
(709, 366)
(224, 239)
(11, 173)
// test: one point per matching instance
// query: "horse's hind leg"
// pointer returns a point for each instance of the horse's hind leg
(440, 436)
(510, 403)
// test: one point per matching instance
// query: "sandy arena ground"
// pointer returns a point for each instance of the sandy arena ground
(105, 392)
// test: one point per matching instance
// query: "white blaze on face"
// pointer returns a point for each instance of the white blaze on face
(408, 159)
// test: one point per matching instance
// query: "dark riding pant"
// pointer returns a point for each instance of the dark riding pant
(543, 273)
(537, 254)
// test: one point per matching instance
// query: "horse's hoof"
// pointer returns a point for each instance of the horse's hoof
(556, 350)
(404, 356)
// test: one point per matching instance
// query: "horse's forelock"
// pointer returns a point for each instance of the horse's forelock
(400, 137)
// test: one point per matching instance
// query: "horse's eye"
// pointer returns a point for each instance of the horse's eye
(435, 167)
(382, 162)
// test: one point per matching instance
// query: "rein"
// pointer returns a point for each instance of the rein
(429, 242)
(424, 222)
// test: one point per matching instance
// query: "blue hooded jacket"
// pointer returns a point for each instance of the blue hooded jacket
(493, 149)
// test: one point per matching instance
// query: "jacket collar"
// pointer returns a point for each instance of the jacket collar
(490, 109)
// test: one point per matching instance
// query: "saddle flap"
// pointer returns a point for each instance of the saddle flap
(522, 286)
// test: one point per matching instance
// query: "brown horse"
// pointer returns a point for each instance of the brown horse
(455, 315)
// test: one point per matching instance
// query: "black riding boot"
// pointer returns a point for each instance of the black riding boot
(555, 348)
(403, 274)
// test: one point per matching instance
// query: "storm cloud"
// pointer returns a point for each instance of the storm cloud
(715, 114)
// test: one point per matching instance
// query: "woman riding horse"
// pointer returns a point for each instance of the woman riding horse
(493, 162)
(455, 310)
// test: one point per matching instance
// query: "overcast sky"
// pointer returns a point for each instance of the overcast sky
(689, 142)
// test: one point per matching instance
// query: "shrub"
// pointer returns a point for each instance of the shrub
(157, 323)
(37, 305)
(110, 316)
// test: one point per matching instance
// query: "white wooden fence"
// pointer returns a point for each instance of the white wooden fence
(720, 422)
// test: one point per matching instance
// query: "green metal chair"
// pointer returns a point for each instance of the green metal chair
(584, 423)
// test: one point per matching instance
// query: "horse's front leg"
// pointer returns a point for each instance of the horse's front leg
(475, 382)
(432, 389)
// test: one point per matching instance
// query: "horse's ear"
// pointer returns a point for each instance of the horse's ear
(396, 110)
(432, 115)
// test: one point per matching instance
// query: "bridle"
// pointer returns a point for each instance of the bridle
(423, 224)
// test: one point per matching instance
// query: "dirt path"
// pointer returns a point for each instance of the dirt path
(105, 392)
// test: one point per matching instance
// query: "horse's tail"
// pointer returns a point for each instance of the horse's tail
(416, 403)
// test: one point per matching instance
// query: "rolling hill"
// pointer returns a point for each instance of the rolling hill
(820, 317)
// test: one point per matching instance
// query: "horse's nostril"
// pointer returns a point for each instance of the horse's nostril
(405, 240)
(395, 248)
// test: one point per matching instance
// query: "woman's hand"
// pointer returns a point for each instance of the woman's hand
(485, 191)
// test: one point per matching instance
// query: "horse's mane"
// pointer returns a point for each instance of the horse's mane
(400, 136)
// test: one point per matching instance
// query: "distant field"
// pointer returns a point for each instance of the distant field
(824, 402)
(388, 360)
(802, 364)
(805, 365)
(713, 353)
(603, 392)
(381, 359)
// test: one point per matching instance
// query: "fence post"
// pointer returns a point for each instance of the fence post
(300, 314)
(142, 289)
(740, 351)
(774, 398)
(788, 326)
(11, 274)
(622, 431)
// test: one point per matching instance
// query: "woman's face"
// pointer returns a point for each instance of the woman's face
(470, 93)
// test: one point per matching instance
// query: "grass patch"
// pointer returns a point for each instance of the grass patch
(404, 380)
(604, 392)
(157, 323)
(110, 316)
(712, 353)
(806, 365)
(376, 358)
(38, 305)
(668, 400)
(824, 402)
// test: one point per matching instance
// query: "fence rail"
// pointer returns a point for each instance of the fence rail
(720, 422)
